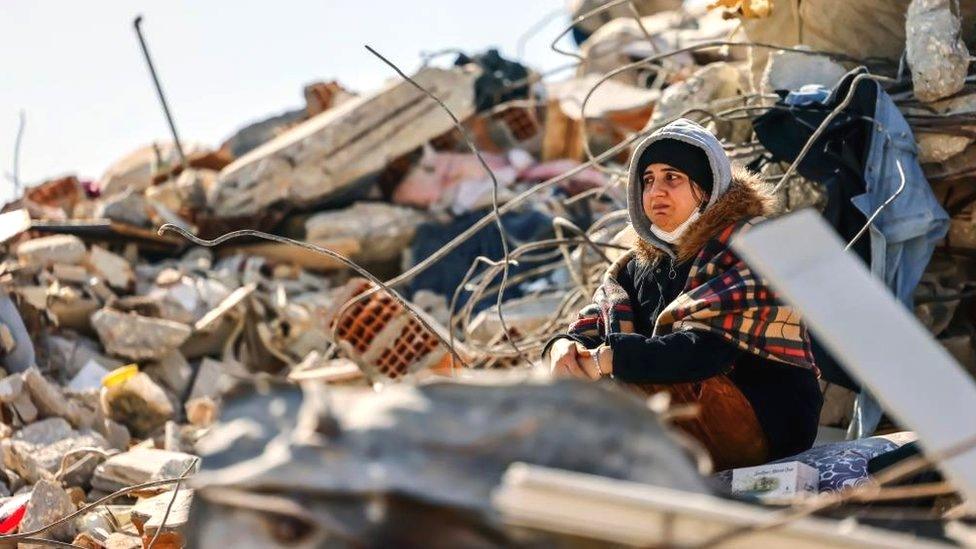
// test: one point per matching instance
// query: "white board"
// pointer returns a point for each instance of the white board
(877, 340)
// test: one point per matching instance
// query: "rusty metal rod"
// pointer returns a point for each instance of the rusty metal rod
(159, 90)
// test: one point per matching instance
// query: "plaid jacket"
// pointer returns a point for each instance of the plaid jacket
(722, 295)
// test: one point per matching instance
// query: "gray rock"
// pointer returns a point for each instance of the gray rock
(792, 70)
(46, 250)
(24, 407)
(48, 503)
(139, 465)
(46, 396)
(35, 451)
(936, 52)
(138, 337)
(445, 443)
(116, 434)
(127, 207)
(112, 268)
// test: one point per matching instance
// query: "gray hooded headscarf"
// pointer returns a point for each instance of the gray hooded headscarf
(689, 132)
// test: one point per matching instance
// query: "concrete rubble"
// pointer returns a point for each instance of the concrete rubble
(284, 388)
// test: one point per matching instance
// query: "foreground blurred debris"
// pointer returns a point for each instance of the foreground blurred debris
(127, 354)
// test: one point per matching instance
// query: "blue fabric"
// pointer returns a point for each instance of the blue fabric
(903, 236)
(841, 464)
(445, 276)
(905, 233)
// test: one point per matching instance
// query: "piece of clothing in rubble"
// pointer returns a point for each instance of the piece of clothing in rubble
(527, 225)
(501, 80)
(695, 312)
(857, 159)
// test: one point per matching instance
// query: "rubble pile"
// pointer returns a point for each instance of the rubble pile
(122, 345)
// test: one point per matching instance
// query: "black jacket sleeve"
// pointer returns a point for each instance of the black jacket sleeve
(680, 357)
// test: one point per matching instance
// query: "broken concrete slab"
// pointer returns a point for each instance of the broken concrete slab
(46, 396)
(138, 466)
(116, 434)
(138, 403)
(135, 171)
(48, 503)
(382, 230)
(13, 223)
(70, 355)
(127, 207)
(24, 407)
(89, 377)
(75, 274)
(138, 337)
(326, 154)
(704, 89)
(35, 451)
(148, 514)
(935, 50)
(47, 250)
(939, 147)
(788, 70)
(111, 268)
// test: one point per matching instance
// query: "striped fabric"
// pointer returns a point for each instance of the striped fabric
(722, 296)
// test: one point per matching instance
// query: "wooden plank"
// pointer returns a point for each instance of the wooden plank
(642, 515)
(287, 253)
(876, 338)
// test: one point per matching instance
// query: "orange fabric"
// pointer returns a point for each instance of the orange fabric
(726, 425)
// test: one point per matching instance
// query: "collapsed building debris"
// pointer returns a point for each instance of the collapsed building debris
(409, 262)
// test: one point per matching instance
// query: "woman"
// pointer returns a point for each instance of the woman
(680, 312)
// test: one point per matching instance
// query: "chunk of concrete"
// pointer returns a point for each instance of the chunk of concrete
(89, 377)
(35, 451)
(138, 403)
(706, 89)
(46, 396)
(24, 407)
(789, 70)
(138, 466)
(148, 514)
(48, 503)
(111, 268)
(128, 207)
(47, 250)
(116, 434)
(382, 231)
(935, 49)
(327, 154)
(137, 337)
(171, 371)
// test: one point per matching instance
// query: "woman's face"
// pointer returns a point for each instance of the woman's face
(669, 196)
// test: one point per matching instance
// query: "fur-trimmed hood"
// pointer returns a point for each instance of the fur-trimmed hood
(687, 132)
(744, 199)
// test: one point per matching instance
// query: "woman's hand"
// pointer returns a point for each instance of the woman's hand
(568, 358)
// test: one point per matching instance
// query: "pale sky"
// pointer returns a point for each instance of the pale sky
(75, 67)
